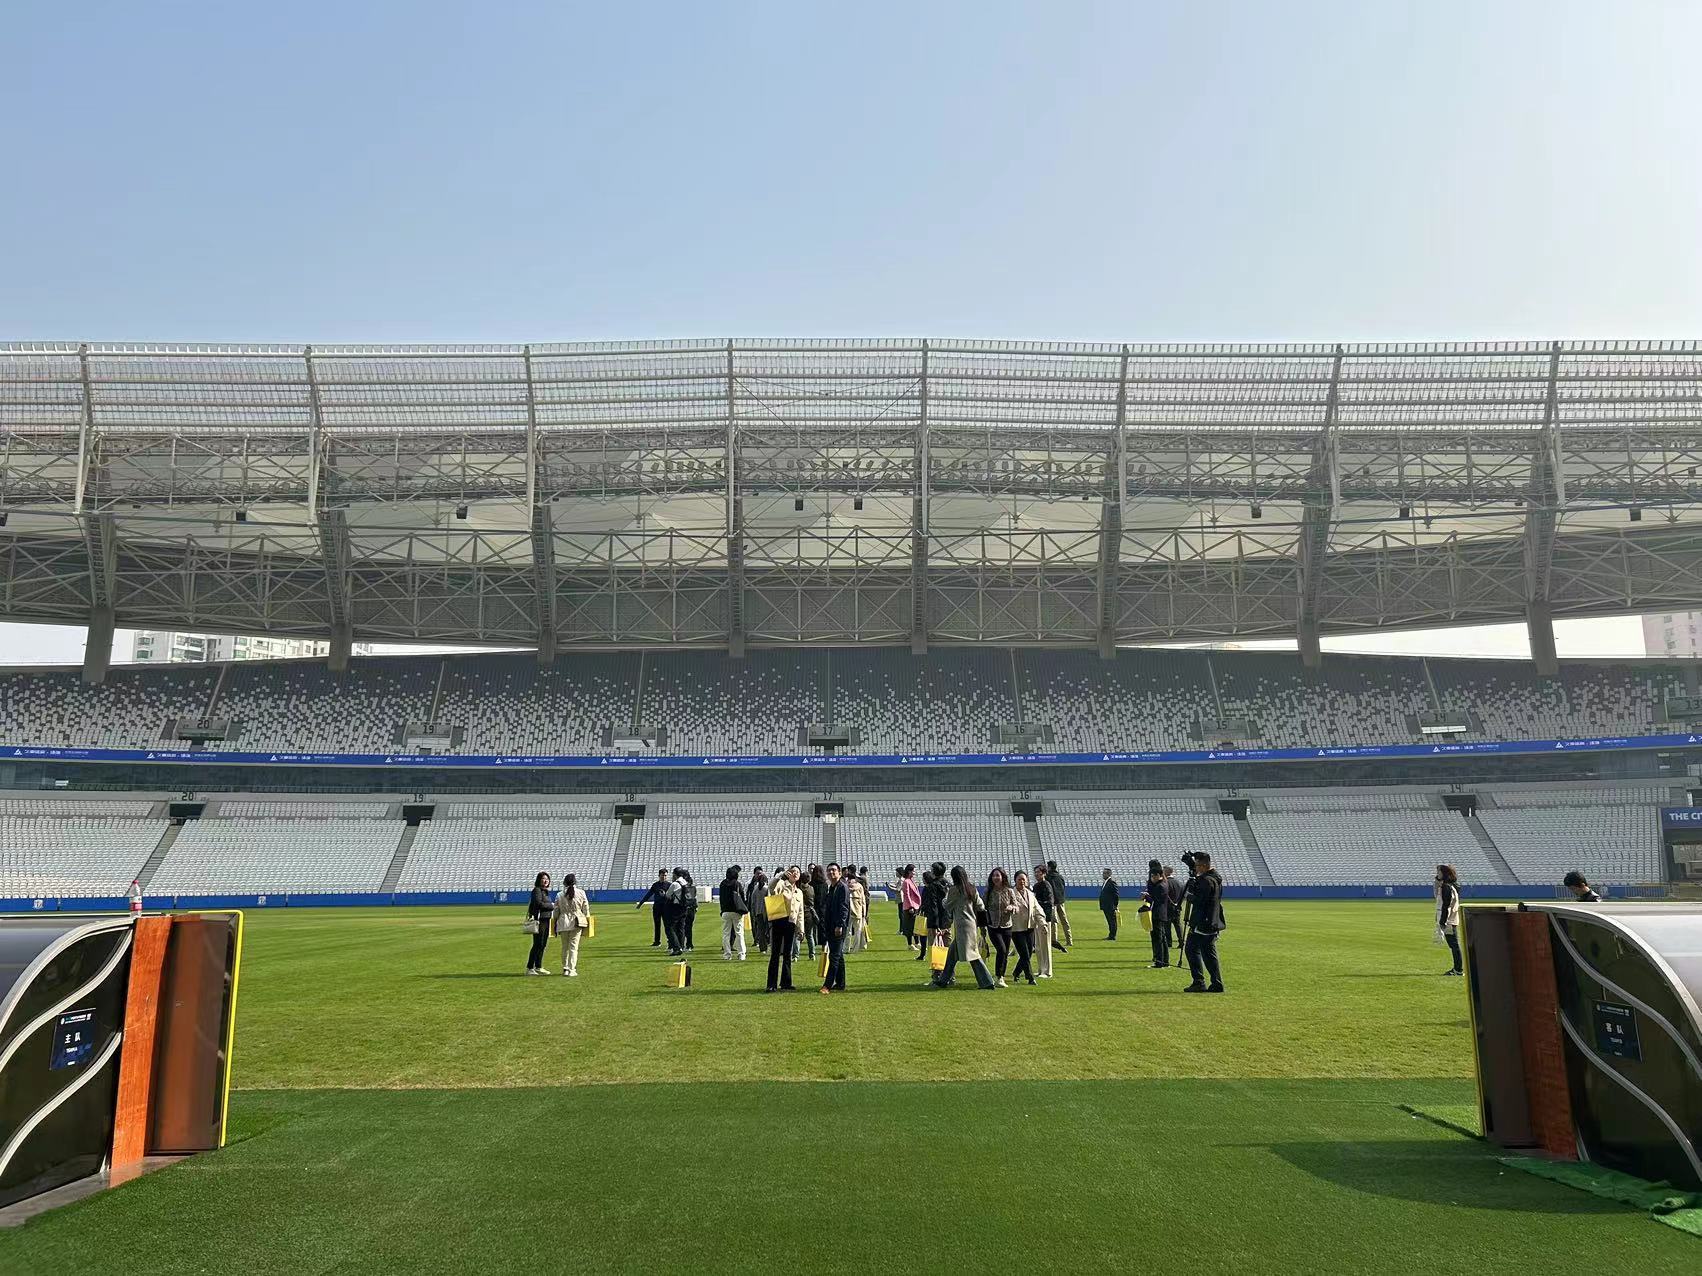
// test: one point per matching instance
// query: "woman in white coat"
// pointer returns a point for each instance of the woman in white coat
(571, 919)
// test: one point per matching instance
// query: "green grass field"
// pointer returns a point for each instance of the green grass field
(407, 1100)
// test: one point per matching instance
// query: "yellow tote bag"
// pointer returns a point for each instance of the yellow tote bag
(747, 918)
(1146, 919)
(591, 926)
(679, 975)
(937, 956)
(776, 908)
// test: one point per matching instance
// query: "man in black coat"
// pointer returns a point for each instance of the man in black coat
(1173, 888)
(836, 923)
(657, 898)
(1108, 901)
(1061, 922)
(1205, 923)
(1157, 901)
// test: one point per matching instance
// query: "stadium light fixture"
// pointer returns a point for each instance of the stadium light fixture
(461, 512)
(798, 504)
(242, 516)
(1406, 511)
(857, 503)
(1258, 511)
(1635, 514)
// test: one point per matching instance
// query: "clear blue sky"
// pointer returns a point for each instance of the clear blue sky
(437, 172)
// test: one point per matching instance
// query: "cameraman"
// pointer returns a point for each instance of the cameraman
(1205, 922)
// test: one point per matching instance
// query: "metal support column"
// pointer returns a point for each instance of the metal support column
(1323, 494)
(1544, 500)
(1111, 518)
(919, 522)
(735, 526)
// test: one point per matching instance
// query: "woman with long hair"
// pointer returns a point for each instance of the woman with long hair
(818, 904)
(962, 901)
(538, 922)
(1000, 903)
(1448, 913)
(1026, 919)
(571, 919)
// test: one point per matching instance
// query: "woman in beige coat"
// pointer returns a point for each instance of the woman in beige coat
(571, 919)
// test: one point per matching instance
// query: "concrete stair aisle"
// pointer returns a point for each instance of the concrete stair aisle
(399, 861)
(1255, 852)
(623, 852)
(156, 857)
(1492, 852)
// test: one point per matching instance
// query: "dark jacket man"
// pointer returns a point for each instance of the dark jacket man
(836, 912)
(1043, 893)
(657, 898)
(1109, 896)
(1205, 900)
(934, 902)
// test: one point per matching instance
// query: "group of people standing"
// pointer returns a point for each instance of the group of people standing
(944, 918)
(825, 907)
(1025, 915)
(675, 899)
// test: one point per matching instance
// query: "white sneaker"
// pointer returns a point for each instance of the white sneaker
(573, 974)
(1000, 982)
(567, 972)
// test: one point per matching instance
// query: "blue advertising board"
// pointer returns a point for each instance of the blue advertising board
(534, 761)
(1681, 817)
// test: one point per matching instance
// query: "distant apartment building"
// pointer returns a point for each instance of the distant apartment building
(1677, 634)
(157, 646)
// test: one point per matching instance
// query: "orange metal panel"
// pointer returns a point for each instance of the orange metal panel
(136, 1057)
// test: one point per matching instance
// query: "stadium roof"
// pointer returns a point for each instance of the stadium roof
(830, 491)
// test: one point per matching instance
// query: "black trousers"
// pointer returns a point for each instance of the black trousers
(835, 981)
(674, 923)
(536, 960)
(782, 935)
(656, 919)
(1161, 944)
(1110, 922)
(1202, 957)
(1454, 947)
(690, 922)
(1001, 949)
(1024, 941)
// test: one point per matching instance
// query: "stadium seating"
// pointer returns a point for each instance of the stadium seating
(705, 846)
(301, 706)
(1331, 848)
(509, 704)
(73, 855)
(1610, 845)
(1141, 700)
(277, 856)
(128, 711)
(1123, 840)
(944, 702)
(978, 842)
(506, 854)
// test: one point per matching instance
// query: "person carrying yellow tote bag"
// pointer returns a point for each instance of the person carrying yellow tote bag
(937, 956)
(775, 907)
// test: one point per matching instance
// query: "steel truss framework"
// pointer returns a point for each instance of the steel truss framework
(725, 492)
